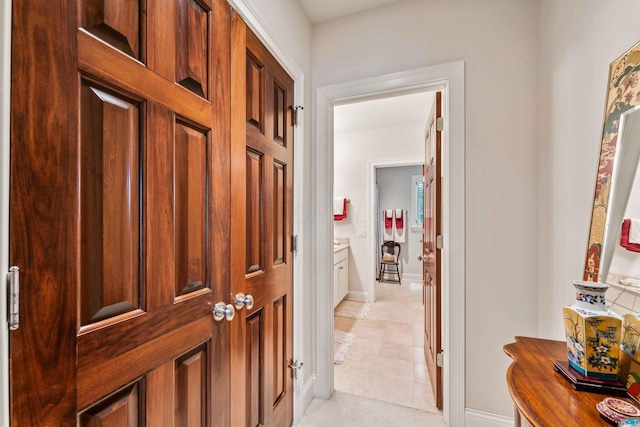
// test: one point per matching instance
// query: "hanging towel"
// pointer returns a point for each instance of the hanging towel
(399, 230)
(387, 225)
(339, 208)
(624, 237)
(634, 231)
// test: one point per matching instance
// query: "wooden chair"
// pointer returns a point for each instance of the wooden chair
(390, 263)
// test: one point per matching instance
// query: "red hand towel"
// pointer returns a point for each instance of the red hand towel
(344, 212)
(388, 219)
(624, 237)
(400, 219)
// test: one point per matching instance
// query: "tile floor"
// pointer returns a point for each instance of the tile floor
(386, 360)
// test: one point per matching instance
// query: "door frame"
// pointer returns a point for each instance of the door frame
(254, 21)
(5, 116)
(450, 77)
(373, 166)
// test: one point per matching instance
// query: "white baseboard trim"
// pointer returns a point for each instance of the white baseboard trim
(358, 296)
(475, 418)
(411, 277)
(308, 392)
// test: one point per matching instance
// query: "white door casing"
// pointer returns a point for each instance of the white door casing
(450, 79)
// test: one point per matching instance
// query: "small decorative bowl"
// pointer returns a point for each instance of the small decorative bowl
(621, 406)
(609, 414)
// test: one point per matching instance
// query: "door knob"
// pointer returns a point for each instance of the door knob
(243, 300)
(420, 257)
(223, 311)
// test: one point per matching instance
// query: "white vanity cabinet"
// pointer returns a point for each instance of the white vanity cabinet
(340, 274)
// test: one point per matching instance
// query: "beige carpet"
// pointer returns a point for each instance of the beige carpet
(341, 344)
(353, 309)
(348, 410)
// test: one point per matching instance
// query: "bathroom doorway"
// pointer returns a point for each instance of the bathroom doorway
(378, 324)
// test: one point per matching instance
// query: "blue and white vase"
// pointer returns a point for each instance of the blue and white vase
(593, 332)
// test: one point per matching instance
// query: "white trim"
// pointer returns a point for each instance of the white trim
(451, 77)
(307, 394)
(358, 296)
(371, 185)
(410, 277)
(5, 110)
(254, 21)
(474, 418)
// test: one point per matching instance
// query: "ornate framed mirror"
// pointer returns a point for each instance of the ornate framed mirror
(616, 181)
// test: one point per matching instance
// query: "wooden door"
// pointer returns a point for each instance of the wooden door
(431, 229)
(261, 218)
(120, 188)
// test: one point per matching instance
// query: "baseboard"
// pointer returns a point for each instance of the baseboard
(358, 296)
(308, 392)
(406, 277)
(474, 418)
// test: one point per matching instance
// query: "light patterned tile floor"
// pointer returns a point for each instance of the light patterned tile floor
(386, 360)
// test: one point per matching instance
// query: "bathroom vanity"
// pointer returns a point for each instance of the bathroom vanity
(340, 273)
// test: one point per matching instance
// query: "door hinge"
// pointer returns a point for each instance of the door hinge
(295, 113)
(440, 359)
(13, 312)
(440, 124)
(295, 367)
(439, 241)
(294, 244)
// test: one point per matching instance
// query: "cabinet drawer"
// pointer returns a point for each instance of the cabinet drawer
(340, 255)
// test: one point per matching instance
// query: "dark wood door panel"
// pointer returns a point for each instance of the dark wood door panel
(262, 339)
(120, 184)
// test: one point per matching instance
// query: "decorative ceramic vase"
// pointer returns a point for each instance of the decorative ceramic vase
(593, 332)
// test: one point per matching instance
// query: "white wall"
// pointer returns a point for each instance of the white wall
(497, 39)
(578, 40)
(395, 193)
(353, 151)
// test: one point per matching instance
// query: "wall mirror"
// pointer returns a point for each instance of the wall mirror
(617, 192)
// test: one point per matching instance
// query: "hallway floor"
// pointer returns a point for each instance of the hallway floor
(386, 360)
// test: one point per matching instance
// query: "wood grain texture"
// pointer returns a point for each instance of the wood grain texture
(117, 22)
(192, 47)
(432, 227)
(117, 411)
(544, 397)
(190, 186)
(43, 217)
(62, 369)
(191, 388)
(273, 282)
(220, 196)
(109, 204)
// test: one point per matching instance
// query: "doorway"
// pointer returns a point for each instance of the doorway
(378, 145)
(449, 79)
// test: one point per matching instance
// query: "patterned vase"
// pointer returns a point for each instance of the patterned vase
(593, 332)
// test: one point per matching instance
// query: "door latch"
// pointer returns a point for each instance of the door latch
(13, 312)
(295, 366)
(440, 359)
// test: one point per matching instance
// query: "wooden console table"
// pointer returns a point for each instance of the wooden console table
(542, 396)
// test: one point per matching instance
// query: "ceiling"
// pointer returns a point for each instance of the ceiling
(387, 112)
(326, 10)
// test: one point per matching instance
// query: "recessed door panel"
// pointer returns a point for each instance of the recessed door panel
(192, 47)
(254, 212)
(279, 349)
(116, 22)
(191, 388)
(255, 95)
(255, 399)
(190, 184)
(279, 114)
(121, 410)
(279, 207)
(110, 204)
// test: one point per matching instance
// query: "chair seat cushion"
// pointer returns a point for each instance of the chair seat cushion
(388, 258)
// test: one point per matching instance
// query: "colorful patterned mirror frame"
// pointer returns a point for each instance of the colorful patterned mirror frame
(623, 93)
